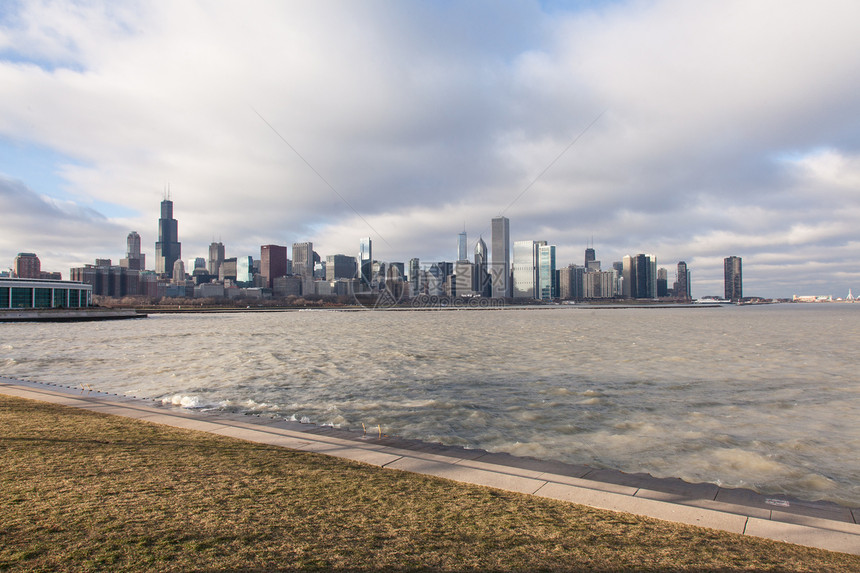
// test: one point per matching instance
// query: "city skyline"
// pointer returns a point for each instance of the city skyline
(404, 124)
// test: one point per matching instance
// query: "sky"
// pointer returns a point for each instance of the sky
(688, 130)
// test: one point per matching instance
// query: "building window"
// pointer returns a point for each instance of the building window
(4, 297)
(22, 297)
(74, 298)
(42, 298)
(61, 297)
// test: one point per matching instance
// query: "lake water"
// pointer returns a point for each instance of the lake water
(764, 397)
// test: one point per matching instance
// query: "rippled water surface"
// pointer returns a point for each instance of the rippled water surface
(763, 397)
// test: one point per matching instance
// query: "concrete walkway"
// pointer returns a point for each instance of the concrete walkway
(815, 524)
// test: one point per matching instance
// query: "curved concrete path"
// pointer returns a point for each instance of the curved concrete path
(815, 524)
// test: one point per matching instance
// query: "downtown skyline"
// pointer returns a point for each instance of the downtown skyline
(694, 132)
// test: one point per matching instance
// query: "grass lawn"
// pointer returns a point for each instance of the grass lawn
(86, 491)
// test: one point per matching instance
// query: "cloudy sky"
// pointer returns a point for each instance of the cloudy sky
(690, 130)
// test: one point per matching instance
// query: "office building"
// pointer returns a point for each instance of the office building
(134, 259)
(570, 282)
(639, 276)
(365, 261)
(733, 279)
(547, 277)
(525, 269)
(462, 247)
(227, 270)
(303, 259)
(682, 283)
(662, 283)
(482, 284)
(339, 267)
(109, 280)
(27, 266)
(244, 271)
(500, 265)
(414, 277)
(463, 279)
(273, 263)
(178, 273)
(589, 256)
(599, 284)
(168, 249)
(216, 257)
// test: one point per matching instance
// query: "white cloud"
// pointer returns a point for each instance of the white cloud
(426, 116)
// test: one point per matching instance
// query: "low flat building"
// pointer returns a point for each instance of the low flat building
(37, 293)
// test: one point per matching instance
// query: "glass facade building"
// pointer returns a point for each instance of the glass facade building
(32, 293)
(547, 277)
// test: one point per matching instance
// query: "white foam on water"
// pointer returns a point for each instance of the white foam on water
(190, 402)
(767, 397)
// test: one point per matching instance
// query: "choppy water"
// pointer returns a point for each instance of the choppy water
(760, 397)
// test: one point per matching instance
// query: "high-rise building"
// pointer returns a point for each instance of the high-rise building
(168, 249)
(547, 277)
(462, 247)
(414, 277)
(227, 270)
(639, 276)
(365, 261)
(303, 259)
(463, 279)
(27, 266)
(589, 256)
(244, 270)
(682, 283)
(662, 282)
(570, 282)
(482, 286)
(525, 269)
(733, 279)
(273, 263)
(194, 264)
(339, 267)
(500, 265)
(134, 259)
(216, 257)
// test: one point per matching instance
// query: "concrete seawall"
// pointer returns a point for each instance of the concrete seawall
(68, 315)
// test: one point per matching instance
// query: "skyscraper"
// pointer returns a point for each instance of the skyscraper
(547, 277)
(273, 263)
(589, 256)
(462, 247)
(414, 277)
(662, 282)
(482, 279)
(682, 284)
(303, 259)
(168, 249)
(28, 266)
(733, 279)
(339, 267)
(216, 257)
(639, 276)
(365, 260)
(500, 266)
(133, 260)
(525, 269)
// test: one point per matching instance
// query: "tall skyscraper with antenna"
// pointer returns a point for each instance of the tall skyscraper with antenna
(168, 249)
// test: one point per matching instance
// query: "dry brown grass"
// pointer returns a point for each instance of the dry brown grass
(85, 491)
